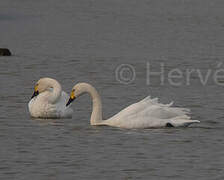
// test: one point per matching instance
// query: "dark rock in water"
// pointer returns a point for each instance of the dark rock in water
(5, 52)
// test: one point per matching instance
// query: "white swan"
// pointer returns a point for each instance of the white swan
(49, 101)
(147, 113)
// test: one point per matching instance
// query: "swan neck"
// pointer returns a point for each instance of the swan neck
(56, 93)
(96, 116)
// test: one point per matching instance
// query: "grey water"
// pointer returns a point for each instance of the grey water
(75, 41)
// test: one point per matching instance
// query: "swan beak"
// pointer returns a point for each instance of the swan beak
(72, 98)
(70, 101)
(35, 94)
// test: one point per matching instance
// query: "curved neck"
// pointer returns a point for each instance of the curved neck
(55, 93)
(96, 116)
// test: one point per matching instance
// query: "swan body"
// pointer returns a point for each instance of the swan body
(147, 113)
(48, 100)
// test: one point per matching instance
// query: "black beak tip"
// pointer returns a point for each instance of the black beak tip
(67, 104)
(35, 94)
(69, 101)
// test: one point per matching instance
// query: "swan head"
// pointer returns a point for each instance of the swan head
(42, 85)
(78, 90)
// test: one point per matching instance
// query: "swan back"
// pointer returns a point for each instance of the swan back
(149, 113)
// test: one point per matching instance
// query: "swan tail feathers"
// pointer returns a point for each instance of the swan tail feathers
(183, 121)
(170, 104)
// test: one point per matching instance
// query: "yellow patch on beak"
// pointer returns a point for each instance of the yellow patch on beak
(36, 88)
(72, 96)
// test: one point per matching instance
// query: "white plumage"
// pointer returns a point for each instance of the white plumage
(147, 113)
(49, 101)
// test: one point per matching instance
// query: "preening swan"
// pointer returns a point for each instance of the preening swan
(49, 101)
(147, 113)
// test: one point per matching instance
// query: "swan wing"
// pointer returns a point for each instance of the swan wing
(135, 108)
(149, 113)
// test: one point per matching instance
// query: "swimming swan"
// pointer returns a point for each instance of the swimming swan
(48, 100)
(147, 113)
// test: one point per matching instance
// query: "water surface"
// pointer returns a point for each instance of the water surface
(74, 41)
